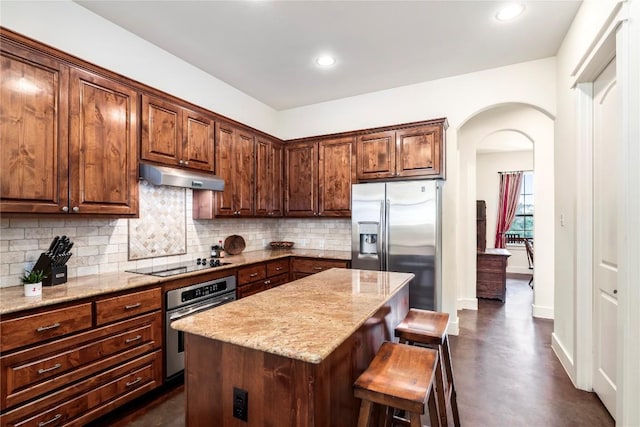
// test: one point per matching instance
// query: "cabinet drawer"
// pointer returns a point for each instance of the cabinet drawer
(86, 400)
(278, 280)
(121, 307)
(36, 328)
(491, 263)
(251, 273)
(311, 266)
(253, 288)
(277, 267)
(38, 370)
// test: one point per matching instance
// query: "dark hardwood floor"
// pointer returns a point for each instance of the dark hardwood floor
(507, 374)
(505, 371)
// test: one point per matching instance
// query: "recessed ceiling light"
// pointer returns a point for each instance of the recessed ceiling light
(510, 11)
(325, 60)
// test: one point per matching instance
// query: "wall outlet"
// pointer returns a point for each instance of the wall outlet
(240, 404)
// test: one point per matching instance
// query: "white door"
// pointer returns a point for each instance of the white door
(606, 122)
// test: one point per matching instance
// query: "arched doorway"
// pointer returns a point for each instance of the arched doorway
(536, 126)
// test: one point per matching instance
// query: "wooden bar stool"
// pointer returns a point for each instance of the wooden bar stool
(429, 328)
(399, 376)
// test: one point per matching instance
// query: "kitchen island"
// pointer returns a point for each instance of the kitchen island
(295, 349)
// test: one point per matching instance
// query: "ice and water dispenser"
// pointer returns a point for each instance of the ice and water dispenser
(368, 232)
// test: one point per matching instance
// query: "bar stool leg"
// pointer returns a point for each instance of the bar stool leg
(434, 421)
(446, 355)
(440, 392)
(365, 413)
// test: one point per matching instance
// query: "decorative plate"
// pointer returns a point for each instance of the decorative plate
(233, 245)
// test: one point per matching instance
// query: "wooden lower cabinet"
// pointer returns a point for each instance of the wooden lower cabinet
(302, 267)
(93, 368)
(491, 274)
(256, 278)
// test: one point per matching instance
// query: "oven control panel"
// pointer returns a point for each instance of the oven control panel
(199, 291)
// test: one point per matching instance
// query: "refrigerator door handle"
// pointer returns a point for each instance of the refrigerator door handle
(381, 238)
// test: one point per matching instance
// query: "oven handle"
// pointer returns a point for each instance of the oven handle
(192, 310)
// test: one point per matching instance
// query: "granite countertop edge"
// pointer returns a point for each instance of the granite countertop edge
(12, 298)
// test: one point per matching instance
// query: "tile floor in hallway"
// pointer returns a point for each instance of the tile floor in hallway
(505, 371)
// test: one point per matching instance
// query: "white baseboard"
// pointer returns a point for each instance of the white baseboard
(453, 328)
(565, 360)
(467, 304)
(520, 270)
(542, 312)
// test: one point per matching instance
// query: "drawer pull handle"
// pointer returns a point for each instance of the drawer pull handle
(266, 282)
(46, 328)
(132, 306)
(253, 274)
(52, 420)
(134, 382)
(278, 268)
(130, 340)
(53, 368)
(317, 268)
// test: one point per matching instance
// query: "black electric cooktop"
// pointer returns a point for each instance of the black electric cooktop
(180, 268)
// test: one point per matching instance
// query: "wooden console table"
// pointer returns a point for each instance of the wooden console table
(491, 274)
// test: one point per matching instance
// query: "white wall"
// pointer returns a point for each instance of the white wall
(73, 29)
(538, 128)
(487, 188)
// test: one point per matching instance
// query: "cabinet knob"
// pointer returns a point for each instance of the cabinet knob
(181, 161)
(76, 209)
(615, 291)
(65, 209)
(186, 162)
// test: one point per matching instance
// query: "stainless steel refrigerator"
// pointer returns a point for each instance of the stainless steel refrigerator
(396, 227)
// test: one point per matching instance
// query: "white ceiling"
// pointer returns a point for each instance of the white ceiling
(267, 49)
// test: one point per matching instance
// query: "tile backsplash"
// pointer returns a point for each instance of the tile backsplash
(102, 245)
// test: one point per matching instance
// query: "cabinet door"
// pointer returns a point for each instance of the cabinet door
(376, 155)
(268, 178)
(102, 145)
(419, 151)
(336, 173)
(225, 169)
(264, 155)
(301, 176)
(244, 146)
(161, 136)
(34, 132)
(277, 176)
(198, 137)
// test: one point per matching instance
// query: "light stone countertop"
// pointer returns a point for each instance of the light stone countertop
(306, 319)
(12, 299)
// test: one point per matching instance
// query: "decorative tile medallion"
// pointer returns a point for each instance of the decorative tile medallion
(161, 229)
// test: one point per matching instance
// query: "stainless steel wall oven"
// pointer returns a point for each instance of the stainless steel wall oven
(184, 302)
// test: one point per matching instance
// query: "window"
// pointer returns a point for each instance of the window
(523, 221)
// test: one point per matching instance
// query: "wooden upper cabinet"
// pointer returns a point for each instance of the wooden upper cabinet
(161, 136)
(68, 138)
(336, 174)
(103, 166)
(198, 133)
(376, 155)
(301, 179)
(174, 135)
(235, 163)
(419, 151)
(268, 178)
(34, 132)
(412, 151)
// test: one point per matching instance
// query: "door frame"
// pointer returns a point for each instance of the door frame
(620, 38)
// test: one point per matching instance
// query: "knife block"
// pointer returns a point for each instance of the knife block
(55, 276)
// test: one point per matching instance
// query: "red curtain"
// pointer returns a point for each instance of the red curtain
(510, 183)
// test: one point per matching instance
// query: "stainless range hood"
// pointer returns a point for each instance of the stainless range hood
(162, 175)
